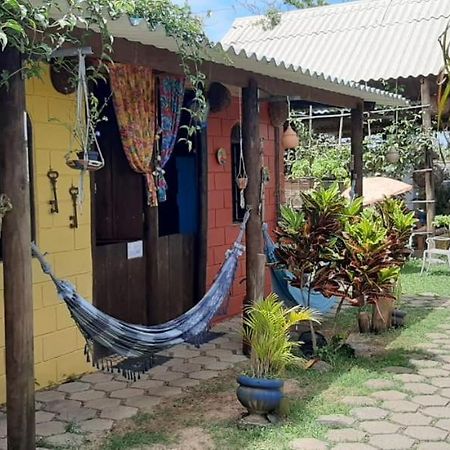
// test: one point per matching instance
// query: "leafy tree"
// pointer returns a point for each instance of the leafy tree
(38, 29)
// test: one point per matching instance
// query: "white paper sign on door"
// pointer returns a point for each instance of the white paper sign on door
(135, 249)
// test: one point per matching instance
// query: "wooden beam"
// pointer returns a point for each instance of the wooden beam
(202, 140)
(357, 149)
(425, 95)
(151, 235)
(279, 172)
(253, 235)
(16, 236)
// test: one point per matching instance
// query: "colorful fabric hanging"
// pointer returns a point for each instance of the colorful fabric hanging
(171, 93)
(134, 102)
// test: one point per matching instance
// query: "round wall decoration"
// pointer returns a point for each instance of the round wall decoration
(63, 78)
(221, 156)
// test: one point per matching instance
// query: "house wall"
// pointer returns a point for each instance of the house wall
(221, 230)
(58, 346)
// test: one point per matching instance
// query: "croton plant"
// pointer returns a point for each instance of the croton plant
(334, 246)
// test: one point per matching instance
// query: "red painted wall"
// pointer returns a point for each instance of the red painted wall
(221, 230)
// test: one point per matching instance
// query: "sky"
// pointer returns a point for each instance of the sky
(222, 14)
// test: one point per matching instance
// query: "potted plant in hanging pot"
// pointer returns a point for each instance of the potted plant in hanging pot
(267, 328)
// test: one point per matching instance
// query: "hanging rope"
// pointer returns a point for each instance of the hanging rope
(84, 131)
(5, 207)
(341, 127)
(242, 177)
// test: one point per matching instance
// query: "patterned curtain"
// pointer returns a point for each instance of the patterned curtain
(134, 102)
(171, 93)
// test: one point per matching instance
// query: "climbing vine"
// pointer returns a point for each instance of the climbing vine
(38, 30)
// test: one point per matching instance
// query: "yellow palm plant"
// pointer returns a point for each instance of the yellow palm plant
(267, 328)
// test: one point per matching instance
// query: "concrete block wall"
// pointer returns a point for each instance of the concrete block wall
(58, 345)
(221, 230)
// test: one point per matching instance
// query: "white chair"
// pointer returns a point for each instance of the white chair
(436, 254)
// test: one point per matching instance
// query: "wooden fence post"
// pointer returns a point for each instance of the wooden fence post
(252, 157)
(16, 237)
(425, 96)
(357, 149)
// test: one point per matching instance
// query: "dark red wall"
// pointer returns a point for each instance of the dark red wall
(221, 230)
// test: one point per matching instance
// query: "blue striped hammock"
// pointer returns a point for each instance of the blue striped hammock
(134, 345)
(281, 283)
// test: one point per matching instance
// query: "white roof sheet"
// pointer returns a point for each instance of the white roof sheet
(363, 40)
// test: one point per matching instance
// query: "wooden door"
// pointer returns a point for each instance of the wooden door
(118, 203)
(169, 277)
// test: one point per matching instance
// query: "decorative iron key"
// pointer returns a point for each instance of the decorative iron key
(73, 191)
(53, 177)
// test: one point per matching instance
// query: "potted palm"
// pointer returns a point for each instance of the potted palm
(267, 328)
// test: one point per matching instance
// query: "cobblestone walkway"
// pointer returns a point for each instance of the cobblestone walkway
(74, 413)
(410, 412)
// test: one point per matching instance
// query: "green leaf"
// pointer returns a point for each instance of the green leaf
(3, 40)
(13, 25)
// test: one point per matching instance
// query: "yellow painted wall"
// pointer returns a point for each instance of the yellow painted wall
(58, 345)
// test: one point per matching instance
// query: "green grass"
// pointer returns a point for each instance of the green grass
(322, 391)
(437, 281)
(134, 439)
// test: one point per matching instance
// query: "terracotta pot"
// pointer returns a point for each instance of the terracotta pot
(242, 182)
(289, 138)
(382, 314)
(364, 322)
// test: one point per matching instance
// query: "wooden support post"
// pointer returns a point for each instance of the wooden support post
(278, 169)
(253, 235)
(425, 95)
(357, 150)
(16, 236)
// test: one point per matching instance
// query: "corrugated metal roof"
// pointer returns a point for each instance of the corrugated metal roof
(260, 64)
(363, 40)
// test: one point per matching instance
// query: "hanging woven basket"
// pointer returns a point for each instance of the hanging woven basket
(290, 138)
(393, 155)
(278, 113)
(219, 97)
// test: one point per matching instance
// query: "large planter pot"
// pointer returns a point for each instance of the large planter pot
(382, 314)
(398, 318)
(259, 395)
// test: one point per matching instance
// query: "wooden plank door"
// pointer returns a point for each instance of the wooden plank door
(118, 204)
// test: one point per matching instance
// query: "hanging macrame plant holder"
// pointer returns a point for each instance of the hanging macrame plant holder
(88, 156)
(242, 177)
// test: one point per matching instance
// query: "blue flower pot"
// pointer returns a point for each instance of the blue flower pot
(259, 395)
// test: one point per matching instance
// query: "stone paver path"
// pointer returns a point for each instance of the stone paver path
(411, 412)
(74, 413)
